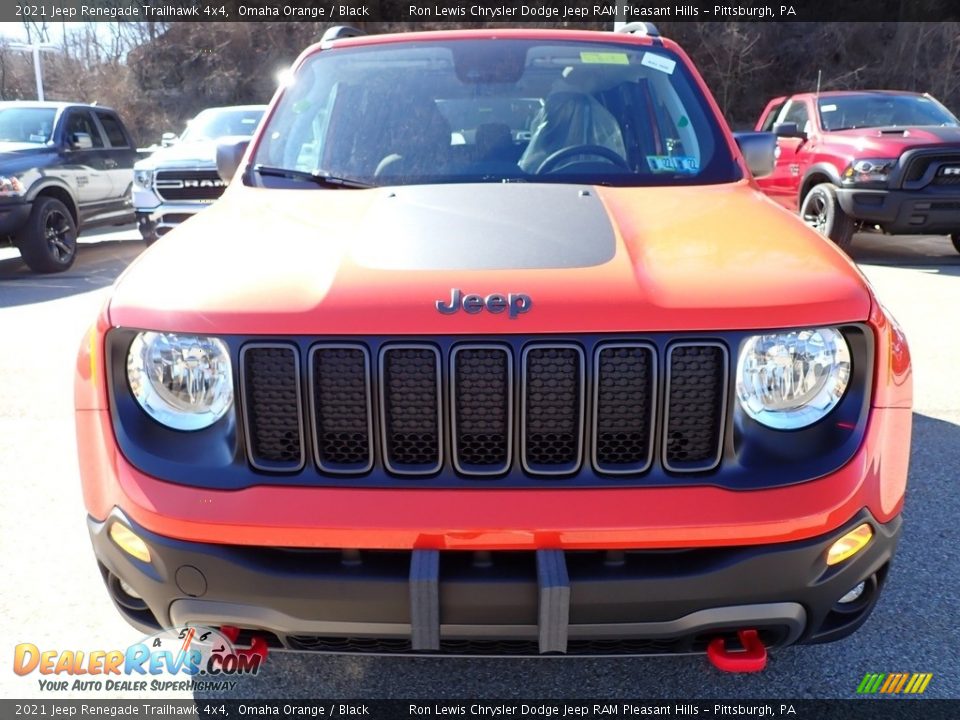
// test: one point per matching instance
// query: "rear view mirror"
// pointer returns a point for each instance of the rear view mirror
(229, 154)
(759, 150)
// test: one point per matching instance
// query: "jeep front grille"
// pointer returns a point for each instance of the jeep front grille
(507, 409)
(189, 185)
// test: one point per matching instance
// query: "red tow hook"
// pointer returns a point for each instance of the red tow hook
(753, 657)
(258, 644)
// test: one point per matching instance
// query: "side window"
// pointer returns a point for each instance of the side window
(771, 119)
(797, 113)
(113, 129)
(81, 122)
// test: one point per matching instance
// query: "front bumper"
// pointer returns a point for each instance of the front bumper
(13, 216)
(501, 602)
(904, 212)
(163, 218)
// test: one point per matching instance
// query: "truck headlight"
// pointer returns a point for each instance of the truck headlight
(182, 381)
(143, 178)
(790, 380)
(867, 171)
(11, 186)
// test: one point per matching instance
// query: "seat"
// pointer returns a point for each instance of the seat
(420, 139)
(570, 119)
(493, 141)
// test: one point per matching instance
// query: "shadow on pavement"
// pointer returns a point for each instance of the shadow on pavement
(98, 264)
(919, 251)
(913, 621)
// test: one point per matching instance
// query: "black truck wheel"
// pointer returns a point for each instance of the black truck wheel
(48, 240)
(955, 239)
(821, 210)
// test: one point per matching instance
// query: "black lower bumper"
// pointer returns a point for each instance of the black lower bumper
(904, 212)
(503, 602)
(13, 216)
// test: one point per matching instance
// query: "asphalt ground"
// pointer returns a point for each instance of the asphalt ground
(51, 594)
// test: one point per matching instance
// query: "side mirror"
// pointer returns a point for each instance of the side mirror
(168, 139)
(759, 150)
(789, 130)
(81, 141)
(229, 154)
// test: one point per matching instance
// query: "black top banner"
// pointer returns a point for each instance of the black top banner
(570, 12)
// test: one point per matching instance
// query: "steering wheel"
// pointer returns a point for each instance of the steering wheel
(554, 159)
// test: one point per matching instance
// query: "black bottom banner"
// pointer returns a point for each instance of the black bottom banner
(861, 709)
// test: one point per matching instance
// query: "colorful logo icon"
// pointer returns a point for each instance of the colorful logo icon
(894, 683)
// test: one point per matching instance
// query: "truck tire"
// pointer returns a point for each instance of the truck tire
(821, 210)
(48, 240)
(955, 239)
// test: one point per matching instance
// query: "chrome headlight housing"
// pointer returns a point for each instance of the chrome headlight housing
(789, 380)
(182, 381)
(10, 186)
(143, 178)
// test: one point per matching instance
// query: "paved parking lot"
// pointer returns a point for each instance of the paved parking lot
(52, 595)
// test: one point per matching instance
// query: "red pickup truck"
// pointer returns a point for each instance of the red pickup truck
(867, 159)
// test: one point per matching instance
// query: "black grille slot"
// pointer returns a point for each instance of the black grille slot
(196, 185)
(482, 395)
(410, 377)
(553, 409)
(342, 408)
(920, 165)
(271, 398)
(623, 408)
(696, 398)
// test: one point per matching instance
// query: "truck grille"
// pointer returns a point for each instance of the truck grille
(189, 185)
(487, 409)
(927, 168)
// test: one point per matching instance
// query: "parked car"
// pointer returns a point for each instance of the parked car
(180, 178)
(64, 168)
(854, 159)
(544, 376)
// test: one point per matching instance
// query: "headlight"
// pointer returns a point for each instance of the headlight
(793, 379)
(143, 178)
(183, 381)
(10, 187)
(868, 171)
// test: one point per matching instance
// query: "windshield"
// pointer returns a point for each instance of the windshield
(221, 122)
(846, 112)
(26, 125)
(494, 111)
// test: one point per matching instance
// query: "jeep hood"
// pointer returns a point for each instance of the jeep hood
(317, 261)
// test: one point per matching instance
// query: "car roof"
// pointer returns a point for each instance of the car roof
(851, 93)
(52, 105)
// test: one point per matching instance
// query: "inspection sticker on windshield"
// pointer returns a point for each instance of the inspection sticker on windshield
(658, 62)
(674, 164)
(828, 108)
(604, 58)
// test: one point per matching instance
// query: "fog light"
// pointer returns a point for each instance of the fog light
(134, 594)
(854, 594)
(128, 542)
(850, 544)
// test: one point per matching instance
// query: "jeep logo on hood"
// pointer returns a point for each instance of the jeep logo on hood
(515, 303)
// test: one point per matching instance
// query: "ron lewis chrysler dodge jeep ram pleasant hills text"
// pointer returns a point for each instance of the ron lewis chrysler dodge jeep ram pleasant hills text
(529, 365)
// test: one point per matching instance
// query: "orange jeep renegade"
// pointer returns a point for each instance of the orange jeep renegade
(494, 346)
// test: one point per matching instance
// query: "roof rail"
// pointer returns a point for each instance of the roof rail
(640, 28)
(338, 32)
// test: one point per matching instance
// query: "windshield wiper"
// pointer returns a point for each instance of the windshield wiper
(315, 177)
